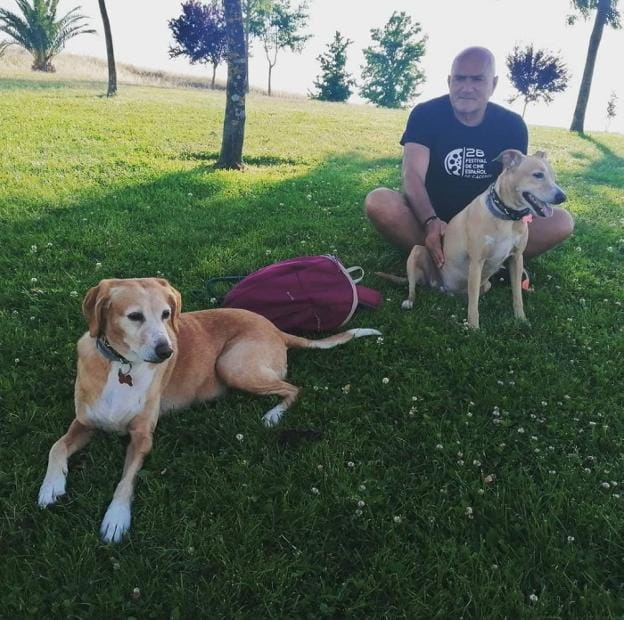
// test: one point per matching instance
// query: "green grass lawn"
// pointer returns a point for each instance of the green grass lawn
(461, 474)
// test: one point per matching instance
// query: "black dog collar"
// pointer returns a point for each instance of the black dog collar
(106, 349)
(500, 210)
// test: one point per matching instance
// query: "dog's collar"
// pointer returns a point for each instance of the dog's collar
(107, 350)
(500, 210)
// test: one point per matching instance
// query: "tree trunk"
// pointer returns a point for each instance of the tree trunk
(526, 103)
(214, 75)
(112, 71)
(578, 120)
(234, 122)
(246, 61)
(270, 71)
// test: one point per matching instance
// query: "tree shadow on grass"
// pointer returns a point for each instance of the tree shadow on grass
(609, 169)
(260, 161)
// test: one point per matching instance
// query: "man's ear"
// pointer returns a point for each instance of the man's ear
(495, 83)
(94, 307)
(510, 158)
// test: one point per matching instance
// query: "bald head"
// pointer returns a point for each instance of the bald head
(471, 84)
(477, 55)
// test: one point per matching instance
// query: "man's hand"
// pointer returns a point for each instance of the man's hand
(434, 231)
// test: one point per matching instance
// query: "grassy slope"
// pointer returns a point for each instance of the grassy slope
(93, 188)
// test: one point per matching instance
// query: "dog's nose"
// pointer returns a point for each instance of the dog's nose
(163, 350)
(559, 198)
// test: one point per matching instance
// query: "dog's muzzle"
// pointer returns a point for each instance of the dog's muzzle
(163, 352)
(541, 208)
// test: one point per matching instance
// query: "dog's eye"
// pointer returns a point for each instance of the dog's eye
(136, 316)
(538, 175)
(166, 314)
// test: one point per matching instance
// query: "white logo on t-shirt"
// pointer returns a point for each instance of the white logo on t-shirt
(467, 162)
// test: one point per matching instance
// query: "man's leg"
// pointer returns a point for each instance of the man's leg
(393, 219)
(546, 233)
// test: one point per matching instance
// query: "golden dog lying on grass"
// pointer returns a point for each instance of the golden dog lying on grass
(142, 357)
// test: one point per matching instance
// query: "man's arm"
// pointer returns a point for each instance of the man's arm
(415, 165)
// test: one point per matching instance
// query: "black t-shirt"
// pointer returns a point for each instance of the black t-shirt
(460, 163)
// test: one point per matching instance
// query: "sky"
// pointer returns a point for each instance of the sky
(141, 37)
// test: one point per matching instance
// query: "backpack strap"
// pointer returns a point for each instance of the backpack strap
(212, 291)
(352, 270)
(368, 297)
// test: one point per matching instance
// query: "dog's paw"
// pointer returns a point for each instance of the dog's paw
(408, 304)
(116, 522)
(273, 416)
(51, 489)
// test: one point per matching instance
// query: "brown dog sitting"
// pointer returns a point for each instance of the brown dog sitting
(491, 229)
(142, 357)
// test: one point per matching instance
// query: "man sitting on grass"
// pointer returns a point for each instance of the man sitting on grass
(448, 147)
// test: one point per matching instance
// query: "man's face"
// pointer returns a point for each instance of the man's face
(471, 84)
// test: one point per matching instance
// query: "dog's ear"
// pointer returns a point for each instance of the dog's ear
(510, 158)
(174, 299)
(94, 308)
(540, 154)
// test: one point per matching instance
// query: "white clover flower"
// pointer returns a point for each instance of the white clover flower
(315, 491)
(605, 485)
(267, 252)
(362, 487)
(17, 359)
(33, 280)
(98, 265)
(380, 340)
(439, 446)
(136, 594)
(319, 467)
(469, 512)
(346, 388)
(33, 249)
(476, 463)
(350, 464)
(397, 518)
(489, 479)
(460, 462)
(521, 430)
(239, 436)
(73, 294)
(358, 512)
(533, 598)
(385, 380)
(361, 503)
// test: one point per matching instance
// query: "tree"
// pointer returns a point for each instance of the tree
(536, 74)
(277, 25)
(40, 32)
(234, 121)
(3, 47)
(606, 13)
(252, 12)
(611, 109)
(391, 73)
(334, 83)
(200, 33)
(110, 54)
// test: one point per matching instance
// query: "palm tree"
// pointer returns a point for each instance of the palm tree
(40, 32)
(606, 13)
(110, 54)
(3, 46)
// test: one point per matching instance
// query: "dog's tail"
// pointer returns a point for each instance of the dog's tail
(389, 276)
(296, 342)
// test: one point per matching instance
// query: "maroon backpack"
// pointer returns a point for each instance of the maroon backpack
(308, 293)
